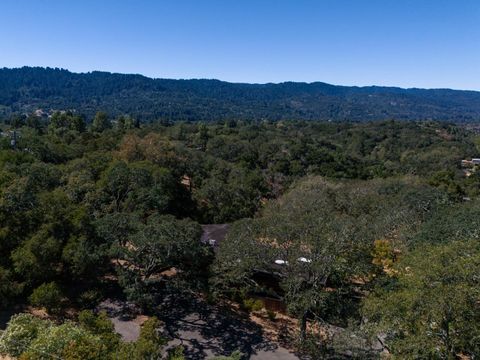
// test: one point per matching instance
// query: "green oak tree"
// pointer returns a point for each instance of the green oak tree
(431, 308)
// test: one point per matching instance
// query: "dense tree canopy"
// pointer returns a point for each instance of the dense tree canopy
(323, 215)
(431, 309)
(27, 89)
(92, 338)
(320, 236)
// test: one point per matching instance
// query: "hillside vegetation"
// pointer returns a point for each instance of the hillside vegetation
(26, 89)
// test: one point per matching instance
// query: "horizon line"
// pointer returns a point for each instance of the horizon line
(234, 82)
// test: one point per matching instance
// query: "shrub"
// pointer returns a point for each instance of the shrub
(66, 341)
(211, 299)
(251, 304)
(9, 289)
(100, 325)
(89, 299)
(236, 355)
(150, 342)
(21, 331)
(271, 315)
(96, 324)
(86, 347)
(176, 353)
(48, 296)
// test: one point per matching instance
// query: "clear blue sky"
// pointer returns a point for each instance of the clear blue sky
(408, 43)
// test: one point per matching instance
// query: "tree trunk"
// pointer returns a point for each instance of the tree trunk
(303, 327)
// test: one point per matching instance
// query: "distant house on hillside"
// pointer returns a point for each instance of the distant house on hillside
(40, 113)
(471, 163)
(470, 166)
(213, 234)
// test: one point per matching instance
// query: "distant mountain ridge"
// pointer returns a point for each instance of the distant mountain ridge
(29, 88)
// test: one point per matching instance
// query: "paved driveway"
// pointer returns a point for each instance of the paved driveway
(200, 340)
(205, 331)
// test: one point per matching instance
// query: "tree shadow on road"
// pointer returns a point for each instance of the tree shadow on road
(205, 329)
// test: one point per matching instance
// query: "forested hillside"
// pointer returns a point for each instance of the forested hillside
(364, 228)
(24, 90)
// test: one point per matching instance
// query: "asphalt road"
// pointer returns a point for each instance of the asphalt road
(200, 341)
(205, 331)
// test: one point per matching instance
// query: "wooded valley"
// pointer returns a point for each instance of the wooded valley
(366, 234)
